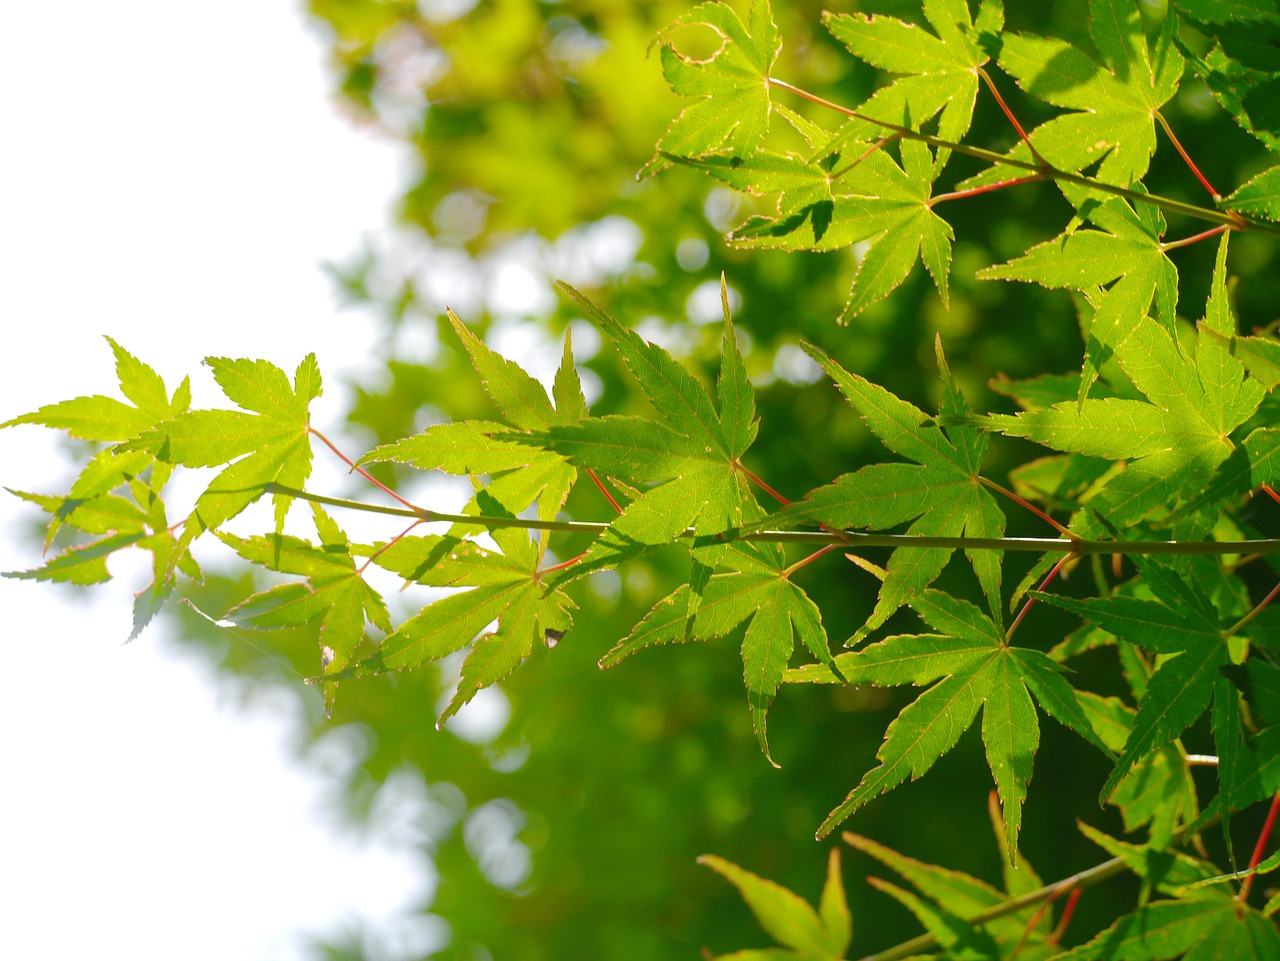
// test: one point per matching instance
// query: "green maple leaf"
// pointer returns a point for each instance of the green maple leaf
(1113, 97)
(732, 112)
(692, 454)
(1125, 253)
(1242, 68)
(107, 420)
(504, 586)
(335, 592)
(1173, 441)
(960, 896)
(268, 439)
(93, 507)
(938, 71)
(1202, 928)
(806, 934)
(1158, 790)
(518, 473)
(973, 667)
(751, 585)
(824, 206)
(1180, 621)
(940, 494)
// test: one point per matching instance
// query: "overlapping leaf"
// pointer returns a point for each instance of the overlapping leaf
(939, 494)
(113, 520)
(1177, 437)
(1208, 926)
(752, 585)
(938, 72)
(1113, 98)
(805, 934)
(519, 474)
(1180, 621)
(334, 592)
(267, 441)
(973, 667)
(503, 586)
(731, 115)
(692, 453)
(1126, 252)
(1242, 68)
(832, 203)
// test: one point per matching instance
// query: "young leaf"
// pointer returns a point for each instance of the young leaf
(335, 592)
(505, 587)
(940, 494)
(694, 453)
(939, 73)
(268, 439)
(1113, 101)
(1173, 443)
(958, 937)
(1212, 926)
(757, 589)
(1181, 621)
(732, 112)
(1125, 253)
(973, 667)
(873, 201)
(471, 447)
(959, 894)
(785, 916)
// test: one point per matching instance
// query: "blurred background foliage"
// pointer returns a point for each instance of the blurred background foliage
(571, 832)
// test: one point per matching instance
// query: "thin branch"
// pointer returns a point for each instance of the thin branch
(1262, 605)
(1094, 875)
(1010, 117)
(1022, 502)
(855, 539)
(806, 561)
(1229, 218)
(762, 485)
(359, 470)
(1196, 238)
(1072, 900)
(1031, 600)
(1263, 836)
(986, 189)
(603, 490)
(1186, 157)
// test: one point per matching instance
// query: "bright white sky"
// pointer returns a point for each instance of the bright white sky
(172, 176)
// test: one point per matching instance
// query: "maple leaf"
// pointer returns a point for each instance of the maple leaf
(693, 454)
(504, 586)
(1200, 928)
(960, 896)
(1113, 99)
(1176, 438)
(806, 934)
(940, 494)
(519, 473)
(1126, 253)
(824, 206)
(1158, 790)
(938, 71)
(751, 584)
(1241, 69)
(1180, 621)
(267, 440)
(732, 112)
(335, 592)
(973, 667)
(92, 507)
